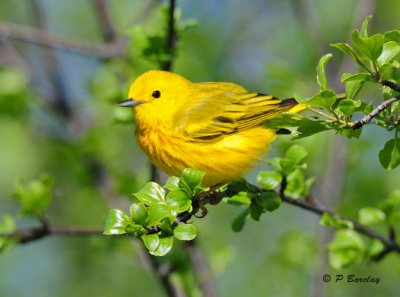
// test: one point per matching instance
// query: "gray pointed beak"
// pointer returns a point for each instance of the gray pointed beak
(129, 103)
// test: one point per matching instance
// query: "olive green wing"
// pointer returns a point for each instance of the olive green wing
(224, 108)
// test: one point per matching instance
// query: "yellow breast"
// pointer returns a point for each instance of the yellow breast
(223, 160)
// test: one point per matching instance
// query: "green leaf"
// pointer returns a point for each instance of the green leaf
(353, 87)
(179, 198)
(172, 183)
(321, 74)
(239, 222)
(370, 215)
(35, 196)
(7, 225)
(334, 221)
(255, 210)
(307, 185)
(284, 120)
(350, 132)
(151, 242)
(391, 208)
(347, 107)
(374, 248)
(389, 156)
(166, 226)
(269, 200)
(159, 211)
(269, 180)
(164, 246)
(363, 76)
(390, 50)
(296, 153)
(116, 223)
(276, 163)
(191, 180)
(346, 49)
(309, 127)
(239, 199)
(139, 213)
(241, 185)
(324, 99)
(288, 166)
(295, 184)
(151, 193)
(185, 232)
(364, 26)
(368, 47)
(393, 36)
(346, 248)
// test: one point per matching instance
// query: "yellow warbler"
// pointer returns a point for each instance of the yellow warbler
(215, 127)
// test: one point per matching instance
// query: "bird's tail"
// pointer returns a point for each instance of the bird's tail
(292, 105)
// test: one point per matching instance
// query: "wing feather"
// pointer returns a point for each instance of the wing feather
(227, 108)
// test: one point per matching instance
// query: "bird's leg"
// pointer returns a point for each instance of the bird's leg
(210, 196)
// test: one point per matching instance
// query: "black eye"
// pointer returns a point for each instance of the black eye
(156, 94)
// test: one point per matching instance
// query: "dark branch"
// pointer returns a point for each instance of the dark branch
(171, 37)
(51, 40)
(36, 233)
(387, 241)
(391, 85)
(27, 235)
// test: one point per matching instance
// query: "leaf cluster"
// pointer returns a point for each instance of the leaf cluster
(158, 214)
(33, 197)
(348, 247)
(286, 178)
(378, 59)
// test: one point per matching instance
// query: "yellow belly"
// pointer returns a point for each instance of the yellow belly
(223, 160)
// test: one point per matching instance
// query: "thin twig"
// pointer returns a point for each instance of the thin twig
(27, 235)
(201, 270)
(376, 111)
(381, 107)
(51, 40)
(387, 241)
(105, 22)
(171, 37)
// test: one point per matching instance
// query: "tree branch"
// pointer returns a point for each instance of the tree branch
(381, 107)
(27, 235)
(312, 207)
(377, 110)
(309, 204)
(107, 27)
(51, 40)
(171, 37)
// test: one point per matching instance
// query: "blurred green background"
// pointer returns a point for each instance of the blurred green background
(57, 115)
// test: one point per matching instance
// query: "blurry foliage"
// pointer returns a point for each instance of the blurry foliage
(13, 93)
(40, 140)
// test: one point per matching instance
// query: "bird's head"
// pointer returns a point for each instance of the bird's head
(156, 93)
